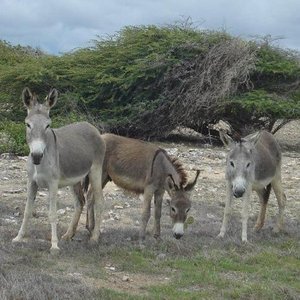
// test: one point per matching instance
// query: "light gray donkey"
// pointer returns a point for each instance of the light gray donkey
(61, 157)
(253, 163)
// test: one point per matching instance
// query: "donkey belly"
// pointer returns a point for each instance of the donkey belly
(66, 181)
(262, 183)
(129, 183)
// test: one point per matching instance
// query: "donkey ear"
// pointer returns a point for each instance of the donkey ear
(172, 186)
(191, 185)
(226, 139)
(252, 138)
(51, 98)
(28, 99)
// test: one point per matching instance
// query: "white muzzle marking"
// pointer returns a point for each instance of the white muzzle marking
(178, 229)
(239, 186)
(37, 146)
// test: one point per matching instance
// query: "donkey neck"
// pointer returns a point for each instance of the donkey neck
(172, 167)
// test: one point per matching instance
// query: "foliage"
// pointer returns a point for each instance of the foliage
(146, 80)
(12, 138)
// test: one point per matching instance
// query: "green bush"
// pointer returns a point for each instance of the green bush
(147, 75)
(259, 103)
(12, 138)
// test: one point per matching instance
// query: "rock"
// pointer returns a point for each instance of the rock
(211, 216)
(118, 207)
(8, 156)
(42, 194)
(16, 191)
(110, 268)
(61, 212)
(125, 278)
(161, 256)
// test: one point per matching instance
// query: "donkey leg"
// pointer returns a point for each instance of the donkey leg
(53, 188)
(90, 214)
(95, 176)
(245, 213)
(227, 212)
(31, 194)
(263, 195)
(148, 194)
(158, 198)
(281, 200)
(79, 201)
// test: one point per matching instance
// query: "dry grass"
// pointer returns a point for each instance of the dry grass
(197, 266)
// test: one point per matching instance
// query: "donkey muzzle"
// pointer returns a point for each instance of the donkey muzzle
(238, 193)
(177, 236)
(36, 158)
(178, 230)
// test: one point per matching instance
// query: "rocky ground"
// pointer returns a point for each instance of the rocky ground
(123, 210)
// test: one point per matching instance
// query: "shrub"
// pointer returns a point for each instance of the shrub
(144, 81)
(12, 138)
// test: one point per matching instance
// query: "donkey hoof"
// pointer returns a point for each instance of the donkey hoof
(142, 245)
(220, 235)
(93, 241)
(157, 236)
(67, 237)
(18, 240)
(54, 251)
(257, 227)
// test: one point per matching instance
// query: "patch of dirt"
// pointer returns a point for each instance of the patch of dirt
(121, 220)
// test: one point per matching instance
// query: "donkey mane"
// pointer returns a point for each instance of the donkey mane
(176, 164)
(180, 170)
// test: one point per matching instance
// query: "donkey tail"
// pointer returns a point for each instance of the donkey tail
(86, 182)
(266, 194)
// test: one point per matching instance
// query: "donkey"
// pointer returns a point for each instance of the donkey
(253, 163)
(142, 167)
(60, 157)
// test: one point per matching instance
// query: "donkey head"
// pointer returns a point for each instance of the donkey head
(240, 162)
(37, 122)
(180, 203)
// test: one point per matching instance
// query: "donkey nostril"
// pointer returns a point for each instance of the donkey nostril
(37, 157)
(239, 193)
(177, 236)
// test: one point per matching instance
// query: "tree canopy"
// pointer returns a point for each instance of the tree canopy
(145, 81)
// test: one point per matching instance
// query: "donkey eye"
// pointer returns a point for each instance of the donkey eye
(187, 210)
(232, 164)
(248, 165)
(173, 209)
(47, 126)
(28, 125)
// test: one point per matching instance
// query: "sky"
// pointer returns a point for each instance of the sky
(59, 26)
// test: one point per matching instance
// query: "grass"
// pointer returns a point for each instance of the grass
(197, 267)
(268, 270)
(270, 274)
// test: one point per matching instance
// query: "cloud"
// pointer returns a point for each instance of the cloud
(60, 26)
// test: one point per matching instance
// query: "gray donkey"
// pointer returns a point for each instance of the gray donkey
(60, 157)
(253, 163)
(142, 167)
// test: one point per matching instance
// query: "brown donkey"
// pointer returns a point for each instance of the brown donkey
(142, 167)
